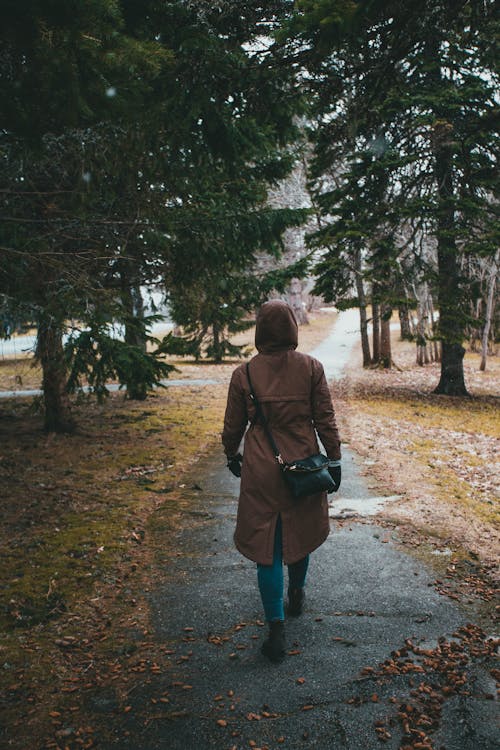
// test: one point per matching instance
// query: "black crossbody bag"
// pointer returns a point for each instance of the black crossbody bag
(305, 476)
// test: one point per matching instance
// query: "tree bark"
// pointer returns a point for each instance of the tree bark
(422, 326)
(385, 337)
(134, 324)
(217, 344)
(296, 302)
(475, 331)
(50, 354)
(489, 312)
(376, 332)
(363, 319)
(134, 334)
(435, 343)
(404, 322)
(450, 299)
(451, 326)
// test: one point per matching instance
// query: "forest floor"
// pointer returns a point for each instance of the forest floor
(440, 454)
(77, 543)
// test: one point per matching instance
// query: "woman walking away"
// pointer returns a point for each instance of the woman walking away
(273, 527)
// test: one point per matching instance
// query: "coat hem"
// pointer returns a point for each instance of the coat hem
(311, 547)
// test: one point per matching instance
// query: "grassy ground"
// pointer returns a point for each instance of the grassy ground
(81, 516)
(75, 547)
(19, 373)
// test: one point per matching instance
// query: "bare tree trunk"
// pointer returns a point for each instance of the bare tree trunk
(385, 337)
(134, 324)
(435, 343)
(419, 359)
(404, 322)
(217, 343)
(427, 353)
(50, 354)
(376, 332)
(450, 297)
(135, 334)
(475, 329)
(363, 320)
(296, 302)
(489, 311)
(421, 332)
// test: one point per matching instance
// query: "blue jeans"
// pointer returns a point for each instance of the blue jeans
(270, 578)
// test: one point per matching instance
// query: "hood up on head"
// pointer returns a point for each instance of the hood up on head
(276, 327)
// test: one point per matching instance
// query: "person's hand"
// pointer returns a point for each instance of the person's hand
(335, 472)
(234, 464)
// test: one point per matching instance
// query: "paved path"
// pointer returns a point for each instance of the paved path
(365, 598)
(335, 350)
(113, 387)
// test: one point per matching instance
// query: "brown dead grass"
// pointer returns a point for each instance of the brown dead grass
(19, 372)
(439, 453)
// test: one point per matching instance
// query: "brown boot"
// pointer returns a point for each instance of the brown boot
(296, 598)
(274, 645)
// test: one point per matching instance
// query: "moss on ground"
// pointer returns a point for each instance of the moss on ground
(74, 550)
(455, 415)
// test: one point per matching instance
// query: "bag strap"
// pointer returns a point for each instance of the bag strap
(260, 415)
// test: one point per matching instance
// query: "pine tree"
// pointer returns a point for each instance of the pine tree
(62, 66)
(413, 84)
(237, 108)
(151, 161)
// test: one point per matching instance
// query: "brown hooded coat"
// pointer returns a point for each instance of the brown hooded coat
(295, 398)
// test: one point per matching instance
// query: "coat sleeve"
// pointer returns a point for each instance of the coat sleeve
(323, 412)
(235, 418)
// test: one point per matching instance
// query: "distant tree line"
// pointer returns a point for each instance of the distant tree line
(139, 143)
